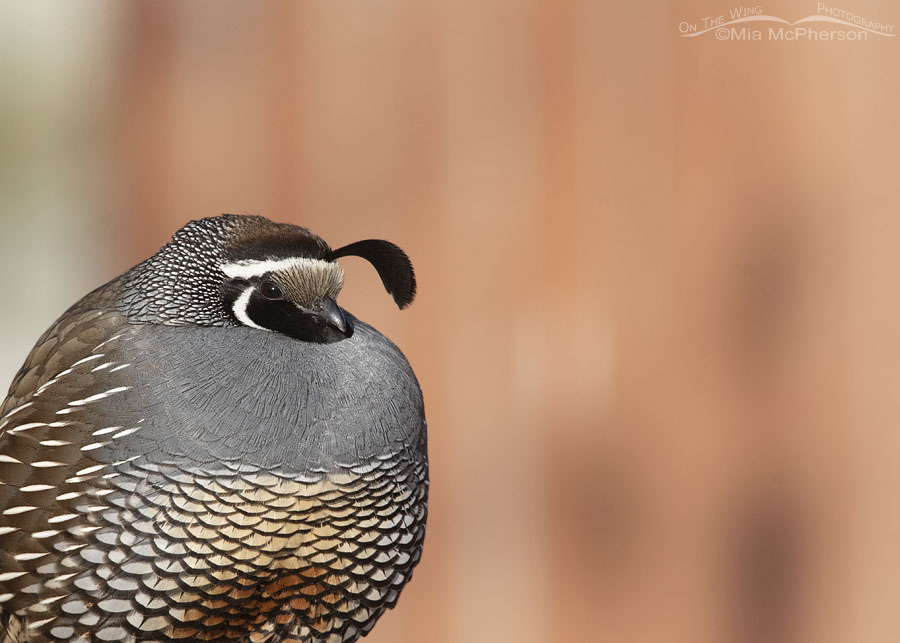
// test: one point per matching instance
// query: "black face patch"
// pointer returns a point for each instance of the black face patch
(285, 317)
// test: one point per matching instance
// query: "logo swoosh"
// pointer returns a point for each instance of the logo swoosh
(842, 22)
(807, 19)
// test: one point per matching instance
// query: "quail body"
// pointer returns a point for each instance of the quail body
(208, 448)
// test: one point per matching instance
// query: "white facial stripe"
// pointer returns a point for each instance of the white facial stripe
(240, 309)
(253, 268)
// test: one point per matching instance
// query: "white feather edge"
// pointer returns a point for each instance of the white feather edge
(240, 308)
(256, 268)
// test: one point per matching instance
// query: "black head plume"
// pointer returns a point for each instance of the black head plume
(392, 264)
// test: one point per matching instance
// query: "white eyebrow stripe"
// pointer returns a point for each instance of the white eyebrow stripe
(240, 308)
(256, 268)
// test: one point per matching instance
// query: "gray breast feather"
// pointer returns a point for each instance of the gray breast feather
(214, 394)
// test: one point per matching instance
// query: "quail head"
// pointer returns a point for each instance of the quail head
(209, 448)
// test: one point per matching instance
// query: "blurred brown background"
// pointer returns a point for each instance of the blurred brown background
(657, 328)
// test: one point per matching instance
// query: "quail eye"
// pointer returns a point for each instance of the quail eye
(271, 291)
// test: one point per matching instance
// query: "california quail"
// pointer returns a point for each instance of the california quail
(208, 448)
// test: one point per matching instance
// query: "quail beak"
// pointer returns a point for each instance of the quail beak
(327, 310)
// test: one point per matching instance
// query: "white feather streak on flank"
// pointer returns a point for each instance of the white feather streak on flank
(25, 427)
(93, 445)
(47, 385)
(108, 429)
(62, 577)
(111, 339)
(119, 368)
(36, 487)
(54, 443)
(102, 366)
(69, 495)
(44, 534)
(30, 556)
(61, 518)
(52, 599)
(255, 268)
(90, 470)
(99, 396)
(83, 531)
(89, 358)
(9, 459)
(46, 464)
(240, 308)
(16, 410)
(11, 575)
(20, 509)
